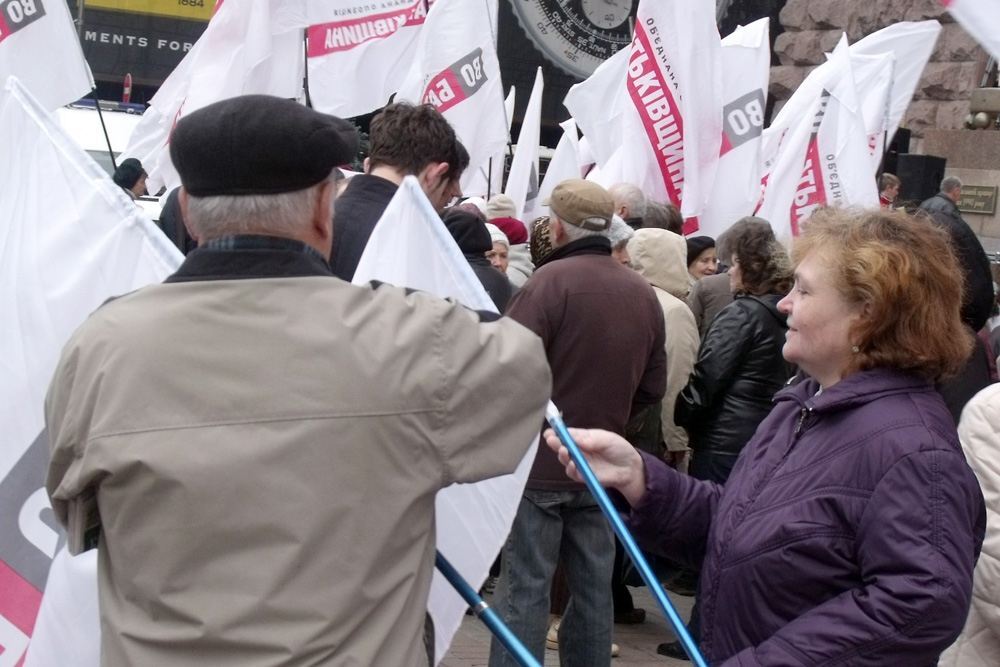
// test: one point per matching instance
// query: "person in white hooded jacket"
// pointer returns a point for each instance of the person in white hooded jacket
(659, 256)
(979, 431)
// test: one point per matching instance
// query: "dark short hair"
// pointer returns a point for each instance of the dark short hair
(663, 216)
(764, 264)
(409, 137)
(906, 271)
(128, 173)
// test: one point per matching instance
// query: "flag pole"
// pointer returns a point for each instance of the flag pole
(305, 66)
(485, 613)
(556, 422)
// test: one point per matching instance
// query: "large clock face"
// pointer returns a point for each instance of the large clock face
(577, 35)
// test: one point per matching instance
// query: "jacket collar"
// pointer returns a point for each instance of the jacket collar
(250, 256)
(856, 389)
(588, 245)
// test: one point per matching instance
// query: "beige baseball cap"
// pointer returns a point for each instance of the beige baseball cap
(578, 202)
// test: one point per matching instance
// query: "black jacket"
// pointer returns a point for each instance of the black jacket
(356, 212)
(473, 239)
(738, 371)
(978, 301)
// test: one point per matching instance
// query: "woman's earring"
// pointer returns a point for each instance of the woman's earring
(855, 349)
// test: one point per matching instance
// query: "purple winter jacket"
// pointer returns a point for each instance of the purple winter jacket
(846, 535)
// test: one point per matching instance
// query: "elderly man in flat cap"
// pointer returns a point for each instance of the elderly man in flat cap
(604, 336)
(254, 446)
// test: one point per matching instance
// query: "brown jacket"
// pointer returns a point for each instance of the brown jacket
(604, 337)
(265, 455)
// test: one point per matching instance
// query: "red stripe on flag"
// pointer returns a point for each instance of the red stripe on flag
(654, 100)
(4, 28)
(19, 600)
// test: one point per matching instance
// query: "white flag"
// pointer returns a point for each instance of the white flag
(360, 53)
(238, 54)
(522, 180)
(486, 180)
(39, 45)
(68, 242)
(746, 69)
(673, 131)
(873, 80)
(981, 19)
(598, 106)
(455, 69)
(410, 247)
(823, 159)
(565, 162)
(911, 44)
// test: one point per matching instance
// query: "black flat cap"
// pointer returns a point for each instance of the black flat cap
(258, 144)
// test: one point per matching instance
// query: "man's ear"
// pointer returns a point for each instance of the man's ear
(431, 175)
(322, 221)
(182, 201)
(365, 165)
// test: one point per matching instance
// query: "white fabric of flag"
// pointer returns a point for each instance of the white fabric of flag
(979, 18)
(39, 45)
(873, 80)
(565, 162)
(598, 106)
(410, 247)
(359, 52)
(486, 180)
(746, 70)
(68, 242)
(238, 54)
(522, 179)
(455, 69)
(910, 43)
(673, 130)
(824, 159)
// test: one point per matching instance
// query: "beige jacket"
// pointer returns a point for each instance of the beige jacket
(265, 455)
(979, 430)
(659, 257)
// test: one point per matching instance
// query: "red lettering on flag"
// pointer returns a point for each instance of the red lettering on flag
(4, 28)
(326, 38)
(444, 91)
(654, 100)
(811, 192)
(19, 603)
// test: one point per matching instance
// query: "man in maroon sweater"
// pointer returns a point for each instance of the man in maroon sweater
(604, 337)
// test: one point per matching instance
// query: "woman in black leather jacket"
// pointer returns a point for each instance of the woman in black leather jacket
(739, 365)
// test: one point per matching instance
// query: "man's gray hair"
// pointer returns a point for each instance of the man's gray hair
(281, 214)
(950, 183)
(618, 232)
(630, 196)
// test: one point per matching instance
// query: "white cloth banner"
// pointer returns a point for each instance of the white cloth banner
(981, 19)
(824, 159)
(68, 242)
(522, 180)
(455, 69)
(487, 179)
(598, 106)
(410, 247)
(911, 45)
(39, 45)
(746, 70)
(673, 130)
(565, 163)
(360, 54)
(238, 54)
(873, 81)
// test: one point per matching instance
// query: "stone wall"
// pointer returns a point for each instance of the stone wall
(813, 27)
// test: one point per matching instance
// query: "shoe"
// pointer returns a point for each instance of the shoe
(614, 650)
(552, 636)
(633, 616)
(489, 586)
(672, 650)
(684, 583)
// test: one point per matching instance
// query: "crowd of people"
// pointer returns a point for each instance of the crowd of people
(779, 422)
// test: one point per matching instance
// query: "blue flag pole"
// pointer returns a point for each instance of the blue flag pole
(559, 426)
(485, 613)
